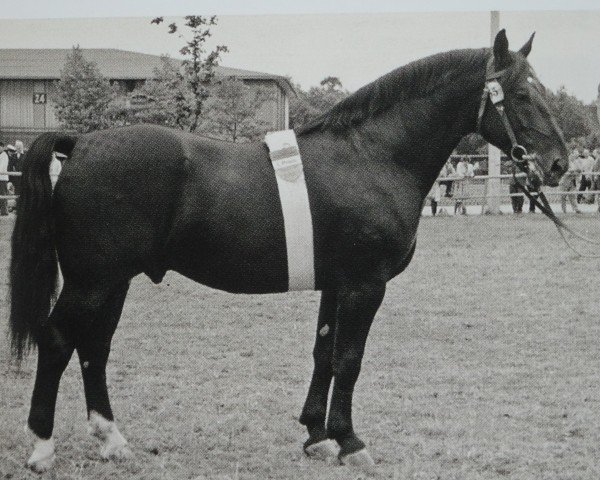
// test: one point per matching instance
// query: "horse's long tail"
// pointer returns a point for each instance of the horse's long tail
(34, 265)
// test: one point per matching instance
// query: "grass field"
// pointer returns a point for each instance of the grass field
(483, 363)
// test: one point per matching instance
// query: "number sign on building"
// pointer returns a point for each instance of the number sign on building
(39, 98)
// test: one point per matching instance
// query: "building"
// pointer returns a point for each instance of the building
(28, 76)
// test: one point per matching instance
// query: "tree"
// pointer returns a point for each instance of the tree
(197, 71)
(83, 94)
(471, 144)
(231, 110)
(163, 99)
(574, 118)
(318, 100)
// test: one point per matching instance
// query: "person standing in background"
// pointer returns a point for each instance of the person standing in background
(3, 180)
(465, 171)
(15, 164)
(447, 171)
(516, 198)
(596, 177)
(586, 164)
(534, 185)
(568, 183)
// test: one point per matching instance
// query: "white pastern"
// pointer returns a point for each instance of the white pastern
(114, 444)
(43, 456)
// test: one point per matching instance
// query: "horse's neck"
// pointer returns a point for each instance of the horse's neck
(420, 134)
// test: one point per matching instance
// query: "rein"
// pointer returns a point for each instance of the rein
(519, 156)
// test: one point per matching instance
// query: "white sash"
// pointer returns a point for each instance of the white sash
(297, 219)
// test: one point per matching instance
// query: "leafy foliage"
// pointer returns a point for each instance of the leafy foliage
(577, 120)
(308, 105)
(231, 111)
(163, 99)
(83, 95)
(193, 82)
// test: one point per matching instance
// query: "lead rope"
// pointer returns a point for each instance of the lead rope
(546, 209)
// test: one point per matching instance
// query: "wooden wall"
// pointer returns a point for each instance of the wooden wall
(272, 111)
(19, 116)
(21, 119)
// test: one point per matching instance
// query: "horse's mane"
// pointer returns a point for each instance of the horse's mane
(416, 79)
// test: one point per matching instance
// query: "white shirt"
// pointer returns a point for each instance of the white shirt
(4, 166)
(587, 164)
(462, 169)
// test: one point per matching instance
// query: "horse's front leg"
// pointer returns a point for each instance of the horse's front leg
(357, 305)
(315, 408)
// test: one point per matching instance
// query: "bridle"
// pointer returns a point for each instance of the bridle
(518, 153)
(493, 90)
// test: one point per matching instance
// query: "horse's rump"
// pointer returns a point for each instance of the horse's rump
(149, 199)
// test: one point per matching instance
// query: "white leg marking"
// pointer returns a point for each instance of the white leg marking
(114, 444)
(43, 456)
(324, 330)
(361, 460)
(323, 450)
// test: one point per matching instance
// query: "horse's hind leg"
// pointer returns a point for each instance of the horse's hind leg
(93, 348)
(315, 408)
(55, 347)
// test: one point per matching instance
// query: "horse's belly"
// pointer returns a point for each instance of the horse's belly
(249, 260)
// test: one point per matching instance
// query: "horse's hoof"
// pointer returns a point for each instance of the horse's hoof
(114, 445)
(41, 462)
(360, 459)
(42, 465)
(322, 450)
(116, 452)
(43, 456)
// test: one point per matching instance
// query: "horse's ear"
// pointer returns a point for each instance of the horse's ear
(526, 49)
(501, 54)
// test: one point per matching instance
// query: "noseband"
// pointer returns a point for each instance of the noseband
(493, 91)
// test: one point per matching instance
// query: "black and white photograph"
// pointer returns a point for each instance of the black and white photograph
(300, 240)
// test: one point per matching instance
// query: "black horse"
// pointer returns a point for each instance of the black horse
(147, 199)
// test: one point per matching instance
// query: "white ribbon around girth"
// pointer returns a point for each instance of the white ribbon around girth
(297, 218)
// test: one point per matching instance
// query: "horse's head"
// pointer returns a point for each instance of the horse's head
(514, 114)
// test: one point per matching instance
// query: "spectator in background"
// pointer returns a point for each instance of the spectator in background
(447, 171)
(586, 164)
(441, 187)
(461, 167)
(3, 180)
(435, 195)
(464, 172)
(470, 170)
(568, 183)
(516, 200)
(15, 164)
(534, 185)
(596, 177)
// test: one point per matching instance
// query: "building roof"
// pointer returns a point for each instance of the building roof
(46, 64)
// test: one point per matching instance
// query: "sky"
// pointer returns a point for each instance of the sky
(357, 46)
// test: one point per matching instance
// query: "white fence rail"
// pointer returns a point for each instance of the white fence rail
(470, 190)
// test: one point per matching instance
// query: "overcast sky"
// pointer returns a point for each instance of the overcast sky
(356, 47)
